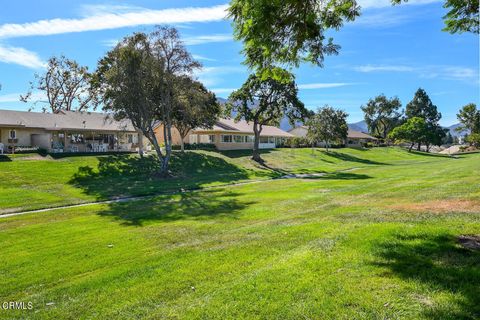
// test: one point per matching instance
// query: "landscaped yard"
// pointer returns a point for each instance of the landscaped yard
(374, 238)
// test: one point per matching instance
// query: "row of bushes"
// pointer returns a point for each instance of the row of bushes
(196, 146)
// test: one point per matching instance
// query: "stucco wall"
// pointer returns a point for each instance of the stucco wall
(23, 136)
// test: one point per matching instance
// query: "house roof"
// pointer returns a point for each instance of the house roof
(359, 135)
(63, 120)
(242, 126)
(352, 134)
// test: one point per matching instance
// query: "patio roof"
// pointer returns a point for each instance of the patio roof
(63, 120)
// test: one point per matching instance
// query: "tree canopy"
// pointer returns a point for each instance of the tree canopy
(265, 100)
(327, 125)
(382, 115)
(194, 106)
(469, 117)
(462, 15)
(288, 31)
(66, 85)
(415, 130)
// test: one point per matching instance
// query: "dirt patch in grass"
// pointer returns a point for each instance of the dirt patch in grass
(469, 241)
(441, 206)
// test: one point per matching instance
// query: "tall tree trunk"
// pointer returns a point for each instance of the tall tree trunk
(418, 147)
(411, 146)
(256, 143)
(326, 144)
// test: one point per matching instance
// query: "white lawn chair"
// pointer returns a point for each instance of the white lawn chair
(1, 148)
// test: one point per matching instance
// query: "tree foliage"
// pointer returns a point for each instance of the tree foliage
(415, 130)
(422, 107)
(462, 16)
(469, 117)
(137, 80)
(194, 106)
(288, 31)
(327, 125)
(265, 100)
(129, 80)
(65, 84)
(382, 115)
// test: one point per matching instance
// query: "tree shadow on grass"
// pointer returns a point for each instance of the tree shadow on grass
(340, 176)
(5, 158)
(441, 264)
(351, 158)
(243, 153)
(122, 175)
(205, 204)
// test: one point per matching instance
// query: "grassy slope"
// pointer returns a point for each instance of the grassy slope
(81, 179)
(371, 243)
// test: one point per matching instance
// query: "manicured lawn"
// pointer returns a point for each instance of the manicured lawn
(27, 184)
(374, 241)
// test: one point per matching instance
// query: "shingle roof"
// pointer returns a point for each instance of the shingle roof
(231, 126)
(64, 120)
(359, 135)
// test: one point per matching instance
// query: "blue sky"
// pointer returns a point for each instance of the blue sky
(390, 50)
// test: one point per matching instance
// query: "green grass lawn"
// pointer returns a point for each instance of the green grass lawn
(373, 239)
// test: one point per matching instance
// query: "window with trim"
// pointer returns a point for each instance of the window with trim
(263, 139)
(238, 139)
(226, 138)
(271, 140)
(130, 138)
(12, 134)
(250, 139)
(211, 138)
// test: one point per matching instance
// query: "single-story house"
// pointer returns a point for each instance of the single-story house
(354, 138)
(228, 134)
(67, 131)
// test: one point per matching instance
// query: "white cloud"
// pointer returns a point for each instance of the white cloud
(428, 72)
(214, 76)
(308, 86)
(369, 4)
(199, 57)
(383, 68)
(21, 57)
(223, 90)
(15, 97)
(195, 40)
(112, 18)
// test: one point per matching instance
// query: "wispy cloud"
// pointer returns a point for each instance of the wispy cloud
(195, 40)
(368, 4)
(15, 97)
(309, 86)
(103, 17)
(214, 76)
(21, 57)
(199, 57)
(383, 68)
(428, 72)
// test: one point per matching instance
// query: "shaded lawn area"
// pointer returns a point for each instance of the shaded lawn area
(374, 248)
(31, 182)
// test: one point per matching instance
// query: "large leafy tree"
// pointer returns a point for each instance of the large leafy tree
(177, 61)
(66, 85)
(422, 107)
(462, 15)
(194, 106)
(327, 125)
(414, 130)
(288, 31)
(129, 80)
(469, 117)
(382, 115)
(265, 100)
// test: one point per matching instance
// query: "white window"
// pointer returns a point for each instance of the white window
(226, 138)
(263, 139)
(211, 138)
(130, 138)
(239, 139)
(271, 139)
(12, 134)
(250, 139)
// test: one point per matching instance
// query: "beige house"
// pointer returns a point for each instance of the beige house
(354, 138)
(227, 134)
(66, 131)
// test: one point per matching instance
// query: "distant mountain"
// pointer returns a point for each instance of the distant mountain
(456, 133)
(360, 126)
